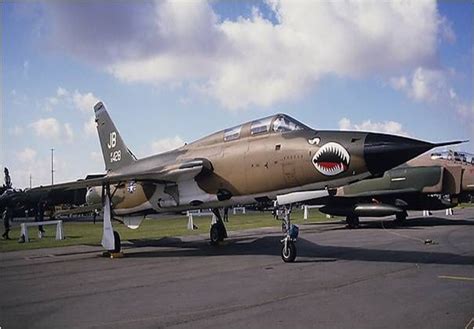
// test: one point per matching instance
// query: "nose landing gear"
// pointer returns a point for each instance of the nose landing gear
(288, 250)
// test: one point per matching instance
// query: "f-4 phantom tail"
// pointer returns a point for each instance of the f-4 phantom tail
(273, 158)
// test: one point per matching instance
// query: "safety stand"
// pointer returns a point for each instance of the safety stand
(190, 221)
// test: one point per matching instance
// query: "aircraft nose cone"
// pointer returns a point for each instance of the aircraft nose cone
(383, 152)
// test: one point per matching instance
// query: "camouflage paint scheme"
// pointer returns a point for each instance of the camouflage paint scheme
(241, 171)
(251, 163)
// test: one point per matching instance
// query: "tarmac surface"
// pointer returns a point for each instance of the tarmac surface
(378, 276)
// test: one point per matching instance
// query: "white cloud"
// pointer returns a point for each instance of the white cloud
(27, 155)
(452, 93)
(18, 98)
(49, 128)
(84, 102)
(425, 85)
(52, 129)
(254, 60)
(345, 124)
(62, 92)
(389, 127)
(446, 30)
(90, 127)
(39, 167)
(69, 133)
(166, 144)
(16, 131)
(398, 83)
(81, 101)
(466, 113)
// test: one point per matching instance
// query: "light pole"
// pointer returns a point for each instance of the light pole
(52, 166)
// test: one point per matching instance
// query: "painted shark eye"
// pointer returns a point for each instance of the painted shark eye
(331, 159)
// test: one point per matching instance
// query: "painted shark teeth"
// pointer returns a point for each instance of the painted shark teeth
(331, 159)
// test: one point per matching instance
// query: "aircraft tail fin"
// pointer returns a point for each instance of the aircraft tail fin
(115, 152)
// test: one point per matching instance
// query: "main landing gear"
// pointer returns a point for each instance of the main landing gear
(218, 231)
(352, 221)
(288, 250)
(400, 217)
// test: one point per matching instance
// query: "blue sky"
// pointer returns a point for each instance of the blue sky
(171, 72)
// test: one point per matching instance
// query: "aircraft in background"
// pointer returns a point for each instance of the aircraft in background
(430, 182)
(273, 158)
(28, 202)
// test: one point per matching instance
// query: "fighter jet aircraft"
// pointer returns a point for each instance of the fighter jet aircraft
(429, 182)
(19, 200)
(271, 158)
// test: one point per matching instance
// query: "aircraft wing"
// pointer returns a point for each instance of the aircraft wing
(163, 174)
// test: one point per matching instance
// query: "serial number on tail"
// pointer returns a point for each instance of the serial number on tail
(115, 156)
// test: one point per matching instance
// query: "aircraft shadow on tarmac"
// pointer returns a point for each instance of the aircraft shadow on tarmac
(307, 251)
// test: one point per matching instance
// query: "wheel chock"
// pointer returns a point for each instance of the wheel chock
(112, 255)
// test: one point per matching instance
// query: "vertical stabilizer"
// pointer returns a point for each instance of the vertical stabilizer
(115, 152)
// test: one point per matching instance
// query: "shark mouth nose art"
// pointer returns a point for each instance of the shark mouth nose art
(331, 159)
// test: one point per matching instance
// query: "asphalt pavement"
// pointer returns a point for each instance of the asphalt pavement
(419, 275)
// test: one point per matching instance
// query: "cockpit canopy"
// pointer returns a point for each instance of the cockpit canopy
(279, 123)
(275, 124)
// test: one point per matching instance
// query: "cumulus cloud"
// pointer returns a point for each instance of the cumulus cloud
(446, 30)
(27, 155)
(466, 113)
(69, 133)
(61, 92)
(90, 127)
(83, 102)
(425, 85)
(166, 144)
(51, 128)
(251, 60)
(389, 127)
(39, 167)
(18, 98)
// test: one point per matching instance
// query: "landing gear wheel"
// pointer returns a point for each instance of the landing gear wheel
(352, 222)
(217, 234)
(401, 217)
(117, 245)
(288, 254)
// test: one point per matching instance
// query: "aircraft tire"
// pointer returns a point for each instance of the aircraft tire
(352, 222)
(400, 217)
(215, 235)
(288, 255)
